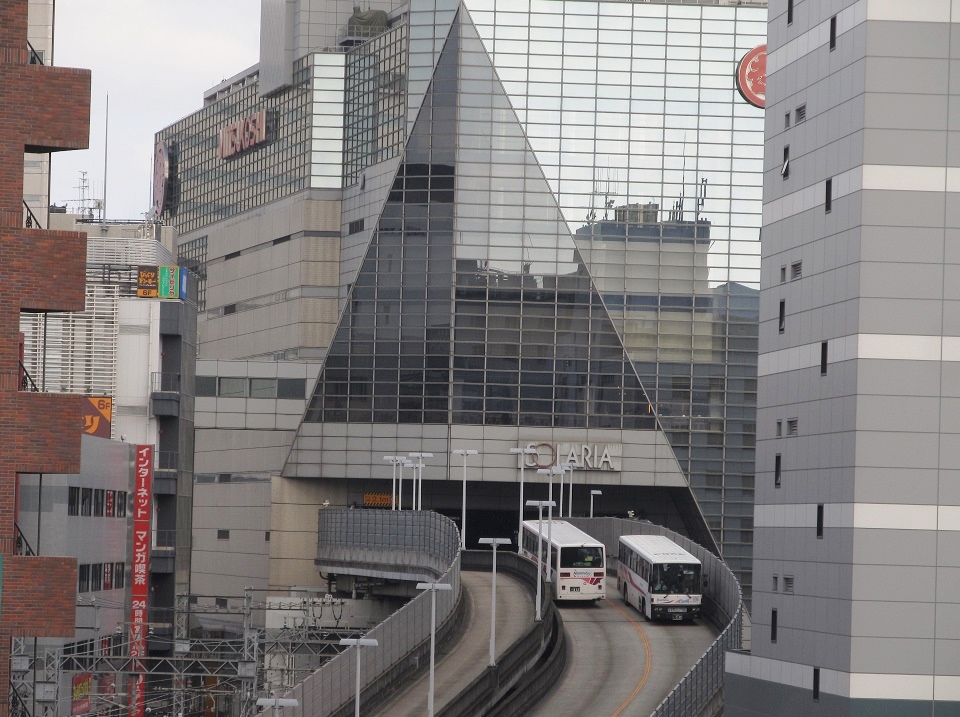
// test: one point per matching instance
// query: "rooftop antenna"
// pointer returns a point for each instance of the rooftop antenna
(106, 124)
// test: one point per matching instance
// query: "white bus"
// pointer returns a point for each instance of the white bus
(576, 564)
(659, 577)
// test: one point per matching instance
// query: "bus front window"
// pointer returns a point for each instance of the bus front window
(581, 558)
(675, 579)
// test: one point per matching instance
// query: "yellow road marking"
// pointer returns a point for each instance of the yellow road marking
(647, 661)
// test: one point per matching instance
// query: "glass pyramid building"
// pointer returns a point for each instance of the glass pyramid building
(553, 214)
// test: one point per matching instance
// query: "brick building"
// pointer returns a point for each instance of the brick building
(42, 109)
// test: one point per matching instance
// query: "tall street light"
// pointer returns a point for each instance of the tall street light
(551, 471)
(523, 452)
(539, 505)
(432, 587)
(404, 463)
(418, 472)
(463, 513)
(395, 460)
(593, 493)
(493, 543)
(358, 642)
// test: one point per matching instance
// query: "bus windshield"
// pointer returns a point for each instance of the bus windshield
(581, 558)
(675, 578)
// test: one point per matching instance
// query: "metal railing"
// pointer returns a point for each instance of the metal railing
(30, 220)
(160, 381)
(22, 544)
(418, 541)
(26, 381)
(701, 689)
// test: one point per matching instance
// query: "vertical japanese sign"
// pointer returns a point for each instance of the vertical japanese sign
(169, 284)
(142, 508)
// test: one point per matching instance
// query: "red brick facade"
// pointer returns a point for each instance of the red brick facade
(42, 109)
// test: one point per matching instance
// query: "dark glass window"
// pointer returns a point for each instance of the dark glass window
(820, 521)
(206, 385)
(73, 501)
(773, 625)
(823, 358)
(291, 388)
(833, 32)
(828, 196)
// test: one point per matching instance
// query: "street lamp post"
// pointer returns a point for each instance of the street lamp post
(593, 493)
(358, 642)
(493, 543)
(404, 463)
(523, 452)
(432, 587)
(463, 514)
(571, 466)
(539, 505)
(395, 460)
(551, 471)
(418, 481)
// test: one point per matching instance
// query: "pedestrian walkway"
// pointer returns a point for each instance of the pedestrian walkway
(469, 656)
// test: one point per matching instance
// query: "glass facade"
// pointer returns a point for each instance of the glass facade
(207, 187)
(572, 237)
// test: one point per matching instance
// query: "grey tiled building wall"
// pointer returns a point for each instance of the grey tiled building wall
(856, 608)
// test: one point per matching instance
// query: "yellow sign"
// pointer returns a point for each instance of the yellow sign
(376, 500)
(97, 416)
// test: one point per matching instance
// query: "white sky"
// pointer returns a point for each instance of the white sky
(154, 59)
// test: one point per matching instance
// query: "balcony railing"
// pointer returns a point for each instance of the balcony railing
(169, 382)
(22, 546)
(30, 220)
(26, 382)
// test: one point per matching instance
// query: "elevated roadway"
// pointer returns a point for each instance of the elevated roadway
(617, 663)
(469, 656)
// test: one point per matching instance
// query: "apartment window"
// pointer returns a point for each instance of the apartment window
(96, 576)
(820, 520)
(83, 578)
(108, 576)
(773, 625)
(823, 358)
(828, 196)
(99, 502)
(776, 580)
(785, 167)
(121, 504)
(119, 575)
(266, 536)
(355, 226)
(223, 535)
(291, 388)
(73, 501)
(793, 426)
(281, 240)
(229, 309)
(796, 270)
(230, 387)
(800, 114)
(789, 12)
(220, 602)
(205, 386)
(777, 464)
(783, 315)
(788, 584)
(816, 683)
(263, 388)
(783, 274)
(833, 32)
(786, 120)
(779, 428)
(231, 255)
(86, 501)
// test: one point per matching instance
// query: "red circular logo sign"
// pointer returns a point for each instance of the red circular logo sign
(752, 76)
